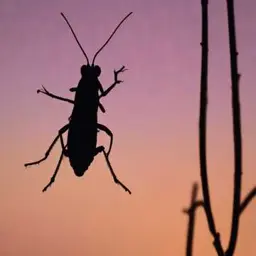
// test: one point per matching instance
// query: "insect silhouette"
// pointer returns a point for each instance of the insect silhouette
(83, 126)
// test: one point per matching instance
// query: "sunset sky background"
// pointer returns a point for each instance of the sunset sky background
(153, 115)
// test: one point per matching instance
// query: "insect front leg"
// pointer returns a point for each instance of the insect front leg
(74, 89)
(116, 180)
(107, 91)
(109, 133)
(46, 92)
(47, 153)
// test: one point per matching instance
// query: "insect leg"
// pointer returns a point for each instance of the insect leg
(46, 92)
(107, 91)
(63, 129)
(109, 133)
(116, 180)
(73, 89)
(102, 108)
(55, 172)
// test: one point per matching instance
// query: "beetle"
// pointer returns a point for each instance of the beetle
(83, 126)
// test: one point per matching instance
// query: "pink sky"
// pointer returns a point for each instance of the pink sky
(153, 115)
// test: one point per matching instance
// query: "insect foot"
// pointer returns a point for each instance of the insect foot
(116, 73)
(116, 81)
(116, 180)
(48, 185)
(122, 69)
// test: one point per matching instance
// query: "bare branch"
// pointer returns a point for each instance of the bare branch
(202, 130)
(191, 222)
(247, 200)
(237, 132)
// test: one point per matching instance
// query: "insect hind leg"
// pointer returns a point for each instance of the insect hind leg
(61, 131)
(116, 180)
(47, 153)
(55, 172)
(109, 133)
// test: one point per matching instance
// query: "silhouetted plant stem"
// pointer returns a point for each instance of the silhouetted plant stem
(236, 129)
(238, 206)
(191, 222)
(202, 129)
(247, 200)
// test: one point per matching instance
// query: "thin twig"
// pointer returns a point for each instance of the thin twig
(247, 200)
(191, 222)
(236, 130)
(202, 130)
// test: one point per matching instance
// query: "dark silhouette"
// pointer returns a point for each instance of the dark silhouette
(237, 132)
(83, 126)
(238, 206)
(191, 211)
(202, 129)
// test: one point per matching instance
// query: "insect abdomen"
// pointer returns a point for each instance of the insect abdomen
(82, 140)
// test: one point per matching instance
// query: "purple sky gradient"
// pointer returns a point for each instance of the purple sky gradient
(153, 115)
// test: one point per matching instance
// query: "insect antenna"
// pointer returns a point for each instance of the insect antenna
(110, 37)
(88, 63)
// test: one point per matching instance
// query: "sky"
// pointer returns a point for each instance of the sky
(153, 115)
